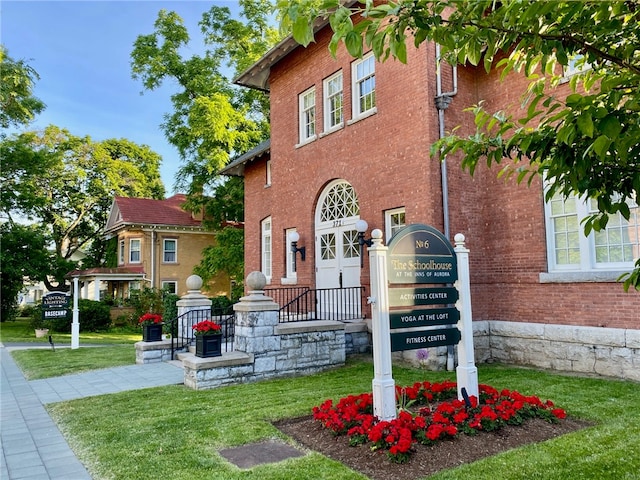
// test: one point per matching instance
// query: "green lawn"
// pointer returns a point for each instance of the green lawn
(174, 432)
(19, 331)
(45, 363)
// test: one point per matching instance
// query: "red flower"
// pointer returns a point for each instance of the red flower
(207, 327)
(150, 319)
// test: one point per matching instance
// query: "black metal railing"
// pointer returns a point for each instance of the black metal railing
(182, 335)
(303, 304)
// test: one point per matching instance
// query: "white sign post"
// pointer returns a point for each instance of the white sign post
(384, 387)
(75, 324)
(466, 371)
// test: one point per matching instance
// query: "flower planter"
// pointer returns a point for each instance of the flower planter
(152, 333)
(208, 346)
(41, 332)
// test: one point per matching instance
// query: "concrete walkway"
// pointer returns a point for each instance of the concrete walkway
(32, 446)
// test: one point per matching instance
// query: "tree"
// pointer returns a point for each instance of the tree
(67, 184)
(18, 106)
(587, 143)
(23, 255)
(213, 120)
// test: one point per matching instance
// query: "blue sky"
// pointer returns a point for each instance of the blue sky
(81, 50)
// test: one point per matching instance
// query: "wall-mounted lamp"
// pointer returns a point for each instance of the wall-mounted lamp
(293, 238)
(361, 228)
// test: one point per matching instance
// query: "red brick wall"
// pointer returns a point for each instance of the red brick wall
(386, 159)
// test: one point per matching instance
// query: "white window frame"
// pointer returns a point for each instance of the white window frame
(573, 68)
(173, 283)
(586, 245)
(307, 116)
(268, 173)
(357, 80)
(332, 89)
(266, 248)
(121, 252)
(165, 251)
(291, 274)
(132, 251)
(134, 285)
(389, 226)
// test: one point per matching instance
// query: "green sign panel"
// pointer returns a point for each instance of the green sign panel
(407, 297)
(422, 318)
(54, 305)
(421, 254)
(424, 339)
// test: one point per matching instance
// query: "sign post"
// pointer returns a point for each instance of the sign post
(75, 324)
(384, 388)
(466, 371)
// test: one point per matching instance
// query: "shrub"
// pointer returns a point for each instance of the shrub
(93, 317)
(221, 305)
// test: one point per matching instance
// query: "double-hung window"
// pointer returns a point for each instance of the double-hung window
(121, 256)
(134, 250)
(333, 102)
(266, 247)
(394, 221)
(169, 250)
(616, 247)
(363, 74)
(307, 108)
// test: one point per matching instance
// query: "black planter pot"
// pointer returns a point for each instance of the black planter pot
(208, 346)
(152, 333)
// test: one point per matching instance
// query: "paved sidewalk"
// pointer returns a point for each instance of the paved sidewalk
(32, 446)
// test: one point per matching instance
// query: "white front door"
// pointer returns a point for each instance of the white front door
(337, 252)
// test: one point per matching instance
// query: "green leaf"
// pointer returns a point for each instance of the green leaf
(353, 42)
(302, 31)
(601, 146)
(585, 124)
(610, 126)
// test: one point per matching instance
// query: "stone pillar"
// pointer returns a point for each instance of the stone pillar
(194, 301)
(256, 319)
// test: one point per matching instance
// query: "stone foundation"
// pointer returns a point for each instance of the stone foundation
(610, 352)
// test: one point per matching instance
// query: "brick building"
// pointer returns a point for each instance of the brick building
(159, 244)
(350, 140)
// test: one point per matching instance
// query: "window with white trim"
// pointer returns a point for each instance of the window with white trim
(614, 248)
(394, 220)
(134, 250)
(576, 65)
(265, 247)
(170, 250)
(333, 102)
(363, 75)
(290, 256)
(307, 109)
(268, 173)
(170, 286)
(121, 253)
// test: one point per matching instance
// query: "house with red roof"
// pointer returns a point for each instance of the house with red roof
(159, 244)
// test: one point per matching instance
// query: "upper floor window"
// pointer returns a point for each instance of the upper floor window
(121, 253)
(333, 102)
(169, 250)
(268, 173)
(615, 247)
(134, 250)
(363, 74)
(265, 246)
(394, 220)
(307, 108)
(576, 65)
